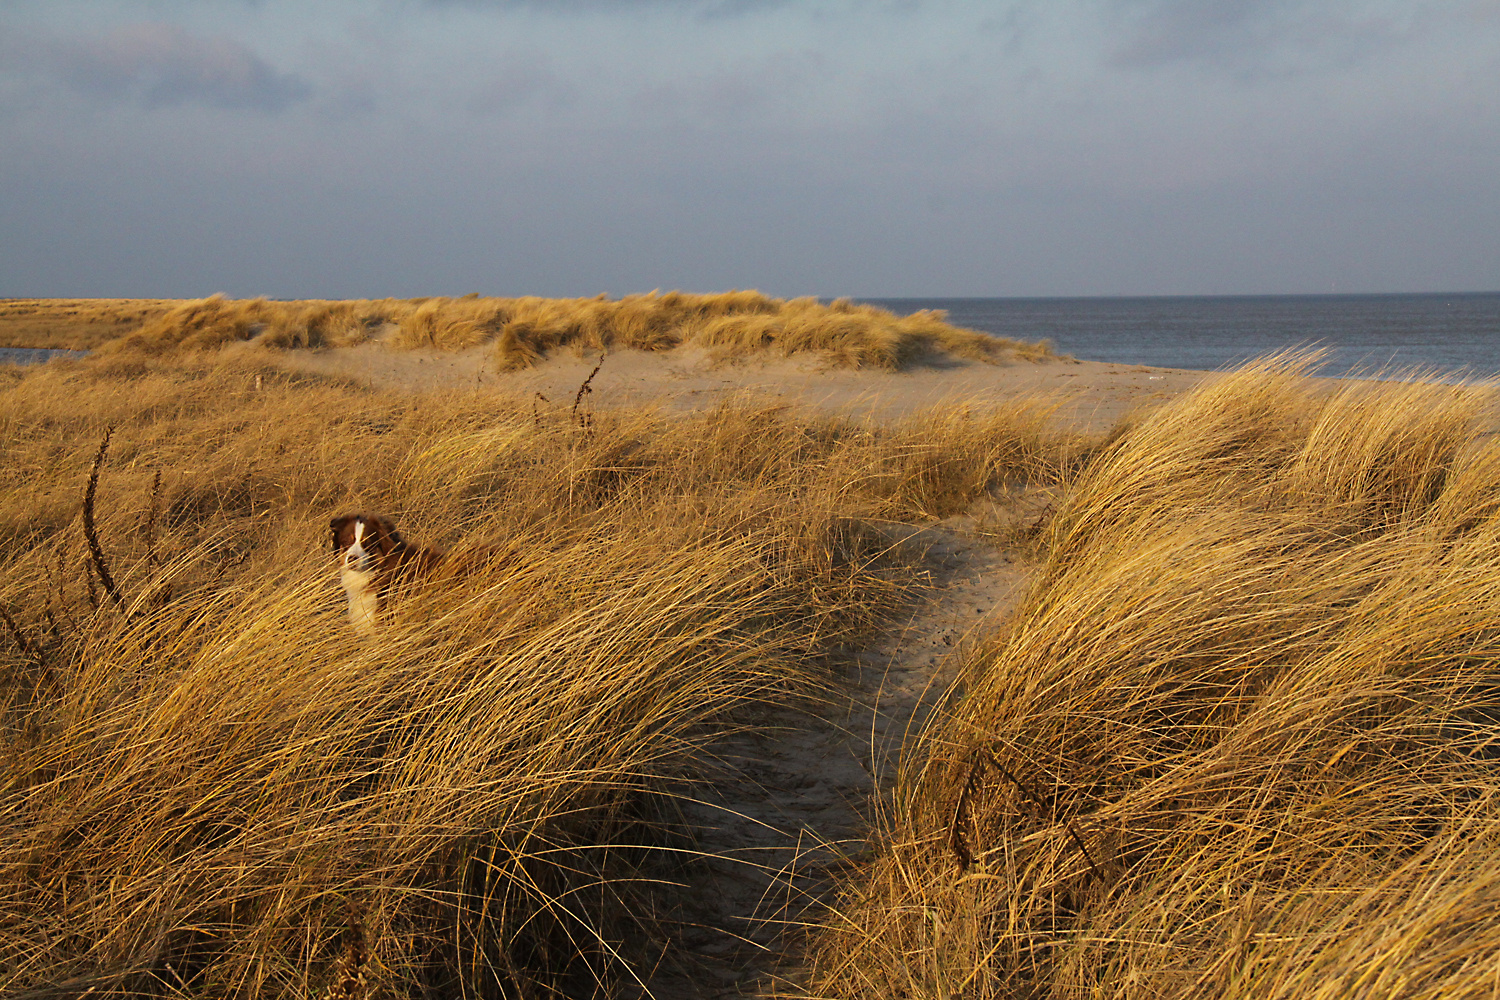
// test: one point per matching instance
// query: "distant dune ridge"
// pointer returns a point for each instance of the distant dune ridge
(523, 330)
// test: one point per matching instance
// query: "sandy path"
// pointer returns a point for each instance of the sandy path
(792, 804)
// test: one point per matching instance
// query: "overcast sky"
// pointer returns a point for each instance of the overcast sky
(827, 147)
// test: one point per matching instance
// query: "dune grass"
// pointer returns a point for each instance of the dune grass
(521, 331)
(215, 789)
(1241, 738)
(75, 324)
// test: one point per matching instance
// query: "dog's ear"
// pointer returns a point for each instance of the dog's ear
(385, 530)
(337, 524)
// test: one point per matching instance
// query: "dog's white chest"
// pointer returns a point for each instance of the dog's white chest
(364, 599)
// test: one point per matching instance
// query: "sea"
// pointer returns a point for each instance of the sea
(1454, 337)
(34, 355)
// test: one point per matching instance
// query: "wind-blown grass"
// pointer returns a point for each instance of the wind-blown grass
(219, 790)
(521, 331)
(1240, 738)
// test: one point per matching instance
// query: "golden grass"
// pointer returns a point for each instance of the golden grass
(74, 324)
(1240, 739)
(220, 791)
(523, 330)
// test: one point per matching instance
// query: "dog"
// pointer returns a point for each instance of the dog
(375, 561)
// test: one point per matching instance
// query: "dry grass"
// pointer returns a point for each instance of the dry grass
(523, 330)
(74, 324)
(219, 791)
(1240, 739)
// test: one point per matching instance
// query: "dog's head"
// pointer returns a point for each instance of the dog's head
(364, 541)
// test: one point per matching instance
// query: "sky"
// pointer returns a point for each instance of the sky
(872, 148)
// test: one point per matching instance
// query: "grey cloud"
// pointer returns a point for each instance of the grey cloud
(1183, 29)
(703, 8)
(162, 65)
(518, 81)
(780, 88)
(1252, 37)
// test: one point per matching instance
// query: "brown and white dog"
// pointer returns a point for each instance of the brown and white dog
(374, 561)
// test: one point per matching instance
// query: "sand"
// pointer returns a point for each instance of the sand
(1092, 395)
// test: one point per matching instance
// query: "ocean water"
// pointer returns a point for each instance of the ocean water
(34, 355)
(1455, 336)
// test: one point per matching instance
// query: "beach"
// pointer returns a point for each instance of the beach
(763, 653)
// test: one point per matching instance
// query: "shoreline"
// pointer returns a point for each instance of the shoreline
(1091, 396)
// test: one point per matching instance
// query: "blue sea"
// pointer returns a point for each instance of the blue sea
(34, 355)
(1455, 336)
